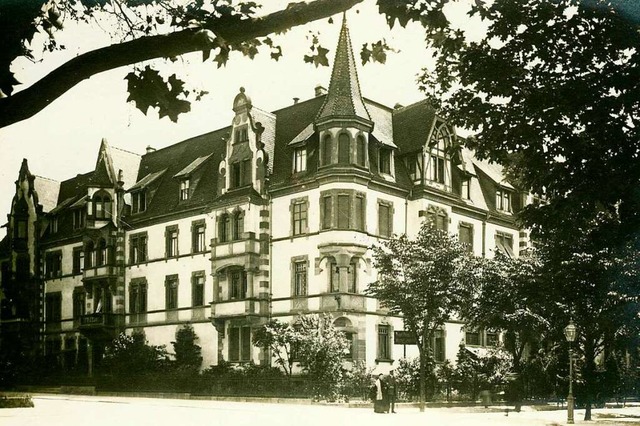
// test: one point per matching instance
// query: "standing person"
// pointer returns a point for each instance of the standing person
(392, 390)
(379, 401)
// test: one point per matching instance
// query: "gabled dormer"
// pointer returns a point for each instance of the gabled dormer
(101, 192)
(343, 123)
(245, 163)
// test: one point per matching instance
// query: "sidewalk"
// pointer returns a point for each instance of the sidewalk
(77, 410)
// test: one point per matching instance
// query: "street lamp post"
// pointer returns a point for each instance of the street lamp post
(570, 334)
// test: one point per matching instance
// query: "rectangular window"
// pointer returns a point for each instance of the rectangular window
(53, 264)
(241, 174)
(299, 217)
(300, 278)
(239, 344)
(384, 342)
(438, 346)
(326, 212)
(53, 306)
(171, 237)
(384, 220)
(79, 301)
(78, 219)
(385, 161)
(139, 200)
(138, 296)
(465, 235)
(437, 169)
(241, 134)
(465, 190)
(184, 189)
(246, 172)
(137, 248)
(492, 339)
(334, 277)
(352, 278)
(78, 260)
(238, 288)
(504, 243)
(197, 290)
(300, 160)
(344, 211)
(503, 200)
(198, 241)
(359, 212)
(171, 291)
(472, 338)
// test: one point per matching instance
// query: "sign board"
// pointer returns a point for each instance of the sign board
(404, 337)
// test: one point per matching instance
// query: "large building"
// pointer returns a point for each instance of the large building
(270, 217)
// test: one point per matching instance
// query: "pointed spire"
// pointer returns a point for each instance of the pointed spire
(104, 174)
(344, 100)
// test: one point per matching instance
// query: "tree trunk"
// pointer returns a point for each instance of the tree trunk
(423, 374)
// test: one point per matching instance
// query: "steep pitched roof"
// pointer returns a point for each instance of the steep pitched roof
(126, 161)
(344, 99)
(47, 190)
(412, 125)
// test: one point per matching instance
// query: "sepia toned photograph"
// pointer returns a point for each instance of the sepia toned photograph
(321, 212)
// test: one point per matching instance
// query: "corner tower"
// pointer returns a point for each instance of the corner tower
(343, 122)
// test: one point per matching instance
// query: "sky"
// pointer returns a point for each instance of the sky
(63, 140)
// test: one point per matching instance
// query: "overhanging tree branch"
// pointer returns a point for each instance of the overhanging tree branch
(28, 102)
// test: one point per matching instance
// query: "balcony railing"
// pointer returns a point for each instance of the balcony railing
(230, 308)
(98, 320)
(100, 271)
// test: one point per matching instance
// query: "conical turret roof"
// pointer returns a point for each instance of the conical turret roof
(344, 99)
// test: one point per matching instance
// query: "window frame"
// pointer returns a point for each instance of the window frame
(138, 248)
(171, 284)
(171, 235)
(469, 230)
(198, 236)
(300, 276)
(300, 159)
(388, 205)
(138, 296)
(240, 343)
(185, 184)
(198, 282)
(139, 201)
(53, 306)
(383, 342)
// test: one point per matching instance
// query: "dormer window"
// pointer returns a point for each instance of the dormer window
(465, 188)
(139, 200)
(241, 174)
(300, 160)
(503, 200)
(241, 134)
(439, 157)
(184, 189)
(54, 224)
(384, 161)
(78, 219)
(102, 205)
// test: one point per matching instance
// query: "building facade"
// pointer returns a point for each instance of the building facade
(270, 217)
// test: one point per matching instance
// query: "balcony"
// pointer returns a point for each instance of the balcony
(100, 326)
(239, 308)
(104, 271)
(342, 302)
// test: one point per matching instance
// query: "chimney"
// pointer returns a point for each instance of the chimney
(320, 90)
(398, 106)
(150, 149)
(295, 100)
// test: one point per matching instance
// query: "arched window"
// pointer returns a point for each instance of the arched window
(439, 156)
(102, 205)
(224, 228)
(361, 151)
(238, 225)
(343, 148)
(352, 277)
(89, 257)
(344, 324)
(101, 253)
(327, 150)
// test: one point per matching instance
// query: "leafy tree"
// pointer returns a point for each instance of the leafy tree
(281, 339)
(321, 353)
(188, 354)
(129, 356)
(318, 346)
(145, 30)
(426, 280)
(446, 376)
(511, 299)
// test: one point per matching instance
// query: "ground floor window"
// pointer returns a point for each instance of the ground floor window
(240, 343)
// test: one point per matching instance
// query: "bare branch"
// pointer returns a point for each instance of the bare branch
(30, 101)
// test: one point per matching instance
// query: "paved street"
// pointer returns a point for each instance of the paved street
(66, 410)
